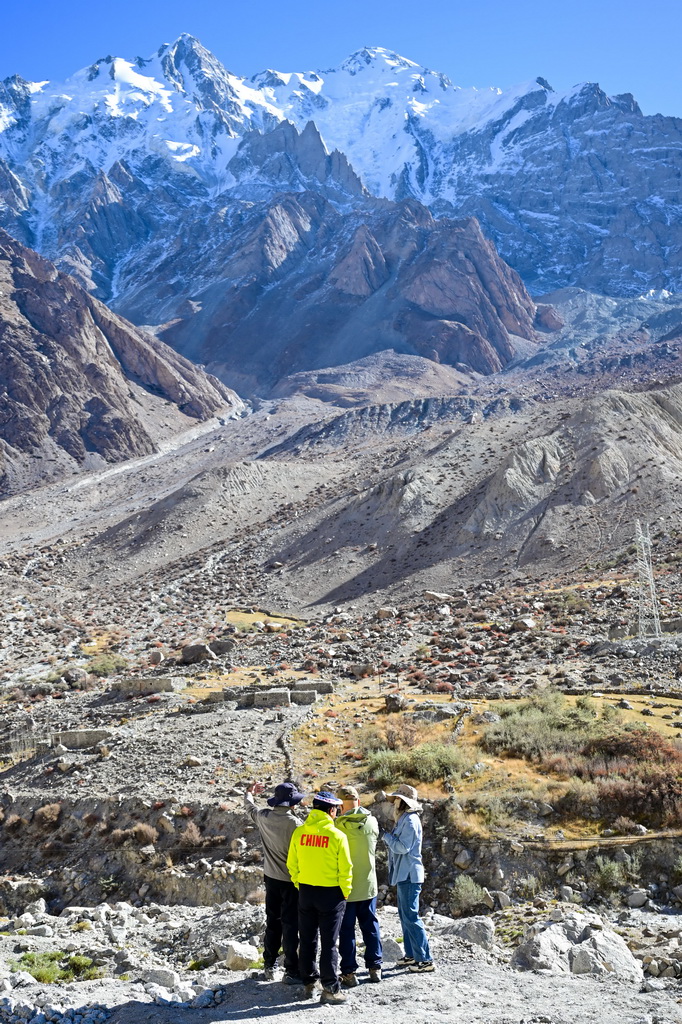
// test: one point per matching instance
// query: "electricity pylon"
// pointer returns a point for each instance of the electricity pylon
(649, 620)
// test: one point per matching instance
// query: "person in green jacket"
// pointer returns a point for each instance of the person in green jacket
(320, 867)
(362, 831)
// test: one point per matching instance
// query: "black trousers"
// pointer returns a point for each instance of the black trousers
(281, 924)
(320, 911)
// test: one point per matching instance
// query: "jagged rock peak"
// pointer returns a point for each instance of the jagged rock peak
(296, 158)
(187, 55)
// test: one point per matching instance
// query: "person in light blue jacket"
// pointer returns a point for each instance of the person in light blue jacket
(406, 872)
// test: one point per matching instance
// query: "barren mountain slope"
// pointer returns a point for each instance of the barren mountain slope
(384, 377)
(81, 386)
(529, 488)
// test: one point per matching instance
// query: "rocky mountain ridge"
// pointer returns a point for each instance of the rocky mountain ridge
(81, 386)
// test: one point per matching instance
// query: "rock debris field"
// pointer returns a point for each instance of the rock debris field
(145, 954)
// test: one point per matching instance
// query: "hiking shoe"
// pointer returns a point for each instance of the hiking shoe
(309, 991)
(405, 961)
(269, 974)
(349, 981)
(332, 997)
(422, 967)
(291, 979)
(375, 974)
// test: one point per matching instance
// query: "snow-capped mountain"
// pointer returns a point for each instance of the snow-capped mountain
(575, 188)
(183, 194)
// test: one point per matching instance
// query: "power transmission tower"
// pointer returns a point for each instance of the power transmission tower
(649, 620)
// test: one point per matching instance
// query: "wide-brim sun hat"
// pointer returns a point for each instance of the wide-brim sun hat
(408, 795)
(285, 793)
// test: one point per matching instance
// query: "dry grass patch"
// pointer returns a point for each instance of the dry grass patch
(612, 765)
(47, 816)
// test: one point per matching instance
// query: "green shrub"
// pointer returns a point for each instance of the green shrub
(627, 770)
(57, 967)
(608, 876)
(465, 895)
(107, 664)
(528, 887)
(427, 762)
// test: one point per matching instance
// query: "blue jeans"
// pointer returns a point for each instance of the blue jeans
(365, 913)
(416, 943)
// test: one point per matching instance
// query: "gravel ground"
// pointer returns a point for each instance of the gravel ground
(467, 992)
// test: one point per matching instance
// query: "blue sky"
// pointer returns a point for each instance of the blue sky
(626, 46)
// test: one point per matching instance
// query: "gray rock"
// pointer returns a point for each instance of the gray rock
(524, 625)
(580, 945)
(162, 977)
(194, 654)
(220, 647)
(638, 898)
(480, 931)
(395, 702)
(464, 859)
(239, 956)
(392, 950)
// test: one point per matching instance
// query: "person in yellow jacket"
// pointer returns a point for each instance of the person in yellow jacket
(320, 867)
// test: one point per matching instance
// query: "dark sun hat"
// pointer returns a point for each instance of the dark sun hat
(285, 793)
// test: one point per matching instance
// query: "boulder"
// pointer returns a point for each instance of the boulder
(194, 654)
(607, 953)
(480, 931)
(74, 674)
(577, 944)
(220, 647)
(162, 977)
(638, 898)
(395, 702)
(524, 625)
(464, 859)
(392, 950)
(239, 956)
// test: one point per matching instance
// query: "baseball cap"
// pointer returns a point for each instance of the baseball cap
(328, 798)
(348, 793)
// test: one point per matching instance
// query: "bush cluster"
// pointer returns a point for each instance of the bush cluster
(427, 762)
(47, 815)
(622, 771)
(107, 664)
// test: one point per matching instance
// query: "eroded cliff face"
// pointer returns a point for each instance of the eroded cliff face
(80, 386)
(300, 283)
